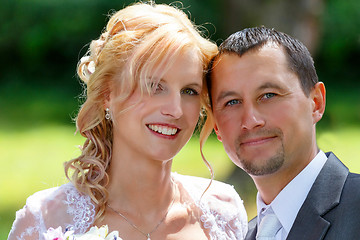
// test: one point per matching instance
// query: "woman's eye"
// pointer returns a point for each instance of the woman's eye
(232, 102)
(159, 87)
(156, 87)
(189, 91)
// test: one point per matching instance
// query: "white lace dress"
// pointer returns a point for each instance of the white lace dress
(223, 212)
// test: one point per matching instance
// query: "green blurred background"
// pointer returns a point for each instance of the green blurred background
(42, 40)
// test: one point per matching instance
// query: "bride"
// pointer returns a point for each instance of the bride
(144, 80)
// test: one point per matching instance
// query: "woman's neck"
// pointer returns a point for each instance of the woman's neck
(141, 185)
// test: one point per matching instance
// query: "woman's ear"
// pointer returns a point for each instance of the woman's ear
(107, 99)
(217, 133)
(106, 104)
(318, 96)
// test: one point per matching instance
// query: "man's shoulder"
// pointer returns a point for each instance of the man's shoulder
(351, 186)
(344, 182)
(355, 177)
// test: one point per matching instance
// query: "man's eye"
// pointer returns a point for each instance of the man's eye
(268, 95)
(232, 102)
(189, 91)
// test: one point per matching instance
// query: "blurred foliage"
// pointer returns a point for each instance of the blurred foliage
(42, 40)
(45, 38)
(341, 37)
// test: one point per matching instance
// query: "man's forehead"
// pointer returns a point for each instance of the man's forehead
(256, 74)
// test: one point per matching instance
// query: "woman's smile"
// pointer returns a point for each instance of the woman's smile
(163, 130)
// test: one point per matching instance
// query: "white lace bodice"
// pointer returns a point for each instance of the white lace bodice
(223, 212)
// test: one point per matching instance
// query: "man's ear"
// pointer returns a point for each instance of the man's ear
(217, 133)
(318, 96)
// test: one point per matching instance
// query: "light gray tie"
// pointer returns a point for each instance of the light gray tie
(268, 228)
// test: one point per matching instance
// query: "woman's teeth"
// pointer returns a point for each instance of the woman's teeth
(163, 129)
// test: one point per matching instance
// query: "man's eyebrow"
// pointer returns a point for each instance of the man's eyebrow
(225, 94)
(270, 85)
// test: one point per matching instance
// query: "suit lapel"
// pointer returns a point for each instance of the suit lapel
(252, 229)
(324, 195)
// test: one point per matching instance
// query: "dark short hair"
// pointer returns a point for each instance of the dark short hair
(299, 59)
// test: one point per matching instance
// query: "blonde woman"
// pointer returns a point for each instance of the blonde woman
(144, 79)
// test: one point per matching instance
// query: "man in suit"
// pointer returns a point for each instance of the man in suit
(266, 100)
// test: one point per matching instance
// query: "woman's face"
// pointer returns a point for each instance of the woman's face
(160, 124)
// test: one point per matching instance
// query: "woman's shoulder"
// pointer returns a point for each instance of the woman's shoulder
(223, 210)
(53, 207)
(52, 199)
(211, 189)
(65, 206)
(37, 199)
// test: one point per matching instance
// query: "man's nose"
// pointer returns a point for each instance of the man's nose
(251, 117)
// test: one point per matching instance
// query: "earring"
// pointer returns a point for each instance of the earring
(107, 114)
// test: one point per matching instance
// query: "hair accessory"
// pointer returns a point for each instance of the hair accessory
(107, 114)
(147, 235)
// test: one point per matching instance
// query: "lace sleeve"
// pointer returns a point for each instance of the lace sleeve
(80, 208)
(224, 214)
(26, 225)
(223, 211)
(57, 207)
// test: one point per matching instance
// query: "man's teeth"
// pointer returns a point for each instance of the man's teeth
(163, 129)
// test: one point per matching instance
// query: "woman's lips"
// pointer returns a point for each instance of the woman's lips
(166, 130)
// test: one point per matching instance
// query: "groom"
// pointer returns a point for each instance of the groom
(266, 101)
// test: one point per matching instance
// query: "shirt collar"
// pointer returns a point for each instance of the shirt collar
(288, 202)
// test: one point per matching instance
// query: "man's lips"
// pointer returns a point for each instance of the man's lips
(256, 141)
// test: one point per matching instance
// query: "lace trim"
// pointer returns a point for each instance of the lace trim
(28, 232)
(219, 226)
(82, 209)
(223, 225)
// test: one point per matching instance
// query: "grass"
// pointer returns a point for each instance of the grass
(32, 160)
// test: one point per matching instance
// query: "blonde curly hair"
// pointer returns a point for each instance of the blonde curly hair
(136, 41)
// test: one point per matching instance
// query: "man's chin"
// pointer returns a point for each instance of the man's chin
(261, 166)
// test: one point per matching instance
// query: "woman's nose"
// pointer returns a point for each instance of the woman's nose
(172, 106)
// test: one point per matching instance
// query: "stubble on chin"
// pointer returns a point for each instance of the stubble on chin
(261, 167)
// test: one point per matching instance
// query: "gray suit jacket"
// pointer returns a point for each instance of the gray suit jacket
(331, 209)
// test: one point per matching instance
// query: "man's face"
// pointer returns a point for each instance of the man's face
(262, 116)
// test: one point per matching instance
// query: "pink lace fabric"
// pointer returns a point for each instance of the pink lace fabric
(222, 211)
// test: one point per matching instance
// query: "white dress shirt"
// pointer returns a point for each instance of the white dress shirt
(288, 202)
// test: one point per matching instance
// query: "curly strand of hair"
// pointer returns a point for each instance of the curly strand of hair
(204, 134)
(89, 169)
